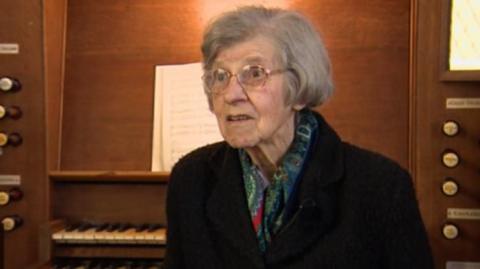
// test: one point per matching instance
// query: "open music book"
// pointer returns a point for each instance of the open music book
(182, 120)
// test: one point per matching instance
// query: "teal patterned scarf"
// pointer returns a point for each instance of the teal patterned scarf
(267, 200)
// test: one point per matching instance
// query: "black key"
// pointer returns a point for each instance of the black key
(141, 227)
(84, 226)
(113, 227)
(154, 227)
(96, 265)
(72, 227)
(102, 227)
(124, 227)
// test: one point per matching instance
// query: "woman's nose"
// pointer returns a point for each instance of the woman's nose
(234, 91)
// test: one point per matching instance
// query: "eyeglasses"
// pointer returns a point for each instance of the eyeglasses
(250, 77)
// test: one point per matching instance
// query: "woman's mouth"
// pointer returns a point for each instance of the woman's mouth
(234, 118)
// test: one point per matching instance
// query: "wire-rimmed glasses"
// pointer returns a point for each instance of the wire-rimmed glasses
(250, 77)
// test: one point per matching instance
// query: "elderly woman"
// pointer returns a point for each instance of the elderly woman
(282, 190)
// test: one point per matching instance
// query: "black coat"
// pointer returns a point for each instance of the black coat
(356, 209)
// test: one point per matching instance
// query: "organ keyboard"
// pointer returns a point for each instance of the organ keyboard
(111, 233)
(123, 233)
(106, 264)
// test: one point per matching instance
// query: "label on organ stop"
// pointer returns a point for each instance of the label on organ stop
(463, 213)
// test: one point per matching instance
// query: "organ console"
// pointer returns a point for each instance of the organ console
(72, 133)
(13, 112)
(9, 84)
(13, 139)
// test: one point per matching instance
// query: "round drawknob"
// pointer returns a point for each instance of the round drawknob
(3, 139)
(450, 158)
(4, 198)
(13, 139)
(13, 112)
(9, 84)
(450, 231)
(450, 128)
(11, 222)
(449, 187)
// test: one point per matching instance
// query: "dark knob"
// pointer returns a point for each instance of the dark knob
(9, 84)
(13, 112)
(12, 222)
(16, 194)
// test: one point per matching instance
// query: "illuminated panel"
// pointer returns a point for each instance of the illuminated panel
(465, 35)
(212, 8)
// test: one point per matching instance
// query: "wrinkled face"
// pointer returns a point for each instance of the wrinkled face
(252, 116)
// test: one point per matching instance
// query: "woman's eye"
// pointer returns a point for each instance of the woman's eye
(255, 73)
(221, 76)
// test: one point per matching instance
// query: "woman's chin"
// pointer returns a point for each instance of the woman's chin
(241, 142)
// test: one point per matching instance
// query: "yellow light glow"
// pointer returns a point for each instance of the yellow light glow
(212, 8)
(465, 35)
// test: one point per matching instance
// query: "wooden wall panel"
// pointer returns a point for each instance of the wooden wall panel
(134, 203)
(21, 23)
(54, 39)
(112, 48)
(368, 43)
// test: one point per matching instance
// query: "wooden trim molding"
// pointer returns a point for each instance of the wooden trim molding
(412, 107)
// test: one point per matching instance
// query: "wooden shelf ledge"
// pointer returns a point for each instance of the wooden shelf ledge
(109, 176)
(102, 251)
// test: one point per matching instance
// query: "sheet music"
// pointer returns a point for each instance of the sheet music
(182, 120)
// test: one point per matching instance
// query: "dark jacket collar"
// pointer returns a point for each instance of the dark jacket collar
(227, 207)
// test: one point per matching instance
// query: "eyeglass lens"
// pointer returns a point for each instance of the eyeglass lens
(250, 75)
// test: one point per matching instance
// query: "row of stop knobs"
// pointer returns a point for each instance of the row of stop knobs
(11, 222)
(450, 159)
(10, 85)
